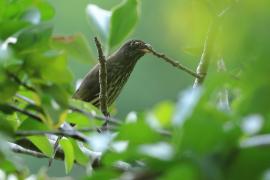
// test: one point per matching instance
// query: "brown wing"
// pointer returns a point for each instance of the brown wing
(89, 88)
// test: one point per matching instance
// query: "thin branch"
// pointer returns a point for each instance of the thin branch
(256, 141)
(202, 67)
(103, 96)
(19, 149)
(25, 146)
(75, 109)
(55, 149)
(18, 81)
(67, 133)
(25, 112)
(174, 63)
(94, 116)
(26, 99)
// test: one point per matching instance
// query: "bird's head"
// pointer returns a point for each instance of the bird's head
(135, 49)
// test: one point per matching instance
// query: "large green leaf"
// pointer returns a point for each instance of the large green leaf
(31, 124)
(99, 20)
(43, 144)
(7, 86)
(80, 157)
(36, 36)
(67, 147)
(163, 112)
(123, 20)
(76, 46)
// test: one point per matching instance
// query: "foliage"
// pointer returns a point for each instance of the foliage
(217, 131)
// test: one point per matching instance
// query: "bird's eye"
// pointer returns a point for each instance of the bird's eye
(135, 44)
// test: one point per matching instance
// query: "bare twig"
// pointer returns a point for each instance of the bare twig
(93, 116)
(25, 146)
(202, 67)
(25, 112)
(67, 133)
(26, 99)
(19, 149)
(174, 63)
(103, 96)
(73, 108)
(262, 140)
(18, 81)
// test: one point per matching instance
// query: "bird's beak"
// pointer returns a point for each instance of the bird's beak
(147, 48)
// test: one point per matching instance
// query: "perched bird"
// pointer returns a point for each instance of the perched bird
(119, 67)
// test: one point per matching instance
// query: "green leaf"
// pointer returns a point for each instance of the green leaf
(123, 20)
(104, 173)
(99, 19)
(181, 171)
(203, 132)
(67, 147)
(7, 86)
(130, 132)
(47, 11)
(32, 16)
(80, 157)
(43, 144)
(76, 47)
(56, 70)
(80, 120)
(6, 126)
(35, 36)
(10, 27)
(30, 124)
(164, 113)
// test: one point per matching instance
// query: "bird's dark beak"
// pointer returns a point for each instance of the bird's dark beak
(147, 48)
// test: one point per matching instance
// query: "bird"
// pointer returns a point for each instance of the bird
(119, 67)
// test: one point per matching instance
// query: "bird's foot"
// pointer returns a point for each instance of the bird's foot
(105, 125)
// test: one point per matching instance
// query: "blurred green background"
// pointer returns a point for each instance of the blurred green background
(152, 80)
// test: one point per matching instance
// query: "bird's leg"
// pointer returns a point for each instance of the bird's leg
(105, 125)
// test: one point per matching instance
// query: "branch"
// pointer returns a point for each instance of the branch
(75, 109)
(26, 99)
(67, 133)
(25, 112)
(262, 140)
(25, 146)
(202, 67)
(103, 96)
(93, 116)
(174, 63)
(18, 81)
(19, 149)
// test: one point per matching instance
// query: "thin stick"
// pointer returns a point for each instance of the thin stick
(22, 111)
(98, 117)
(202, 67)
(73, 108)
(103, 96)
(18, 81)
(67, 133)
(19, 149)
(174, 63)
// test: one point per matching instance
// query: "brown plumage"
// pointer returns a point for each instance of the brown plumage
(119, 67)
